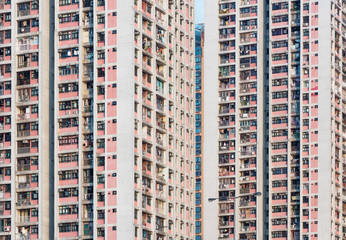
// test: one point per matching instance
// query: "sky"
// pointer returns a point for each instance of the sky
(199, 15)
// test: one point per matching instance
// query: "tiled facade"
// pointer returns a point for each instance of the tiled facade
(270, 78)
(293, 120)
(97, 119)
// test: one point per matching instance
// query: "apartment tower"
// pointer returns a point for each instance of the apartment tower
(97, 119)
(199, 42)
(275, 101)
(25, 142)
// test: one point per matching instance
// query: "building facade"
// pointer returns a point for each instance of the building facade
(275, 120)
(24, 115)
(233, 119)
(97, 114)
(199, 35)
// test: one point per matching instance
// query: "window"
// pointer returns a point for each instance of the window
(278, 171)
(101, 108)
(68, 70)
(68, 140)
(68, 17)
(101, 19)
(279, 31)
(34, 229)
(8, 34)
(67, 2)
(68, 227)
(101, 179)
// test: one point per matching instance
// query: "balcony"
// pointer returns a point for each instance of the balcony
(88, 162)
(160, 159)
(160, 56)
(23, 202)
(24, 99)
(88, 197)
(159, 141)
(88, 215)
(24, 185)
(247, 2)
(25, 133)
(88, 231)
(23, 150)
(25, 29)
(244, 228)
(161, 124)
(223, 110)
(22, 82)
(88, 179)
(223, 123)
(24, 219)
(244, 191)
(25, 12)
(160, 105)
(23, 167)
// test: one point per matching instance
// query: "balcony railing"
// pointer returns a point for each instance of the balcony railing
(24, 219)
(24, 64)
(159, 141)
(88, 162)
(88, 196)
(244, 190)
(223, 123)
(23, 150)
(22, 13)
(88, 231)
(160, 159)
(88, 215)
(24, 133)
(244, 228)
(160, 106)
(23, 202)
(23, 29)
(88, 179)
(24, 185)
(23, 167)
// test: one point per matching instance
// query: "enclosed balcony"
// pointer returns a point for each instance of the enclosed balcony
(27, 146)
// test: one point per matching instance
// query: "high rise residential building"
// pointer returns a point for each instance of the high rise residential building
(199, 42)
(25, 134)
(274, 122)
(233, 119)
(97, 119)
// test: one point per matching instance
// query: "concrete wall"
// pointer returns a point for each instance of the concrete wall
(324, 121)
(125, 121)
(210, 99)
